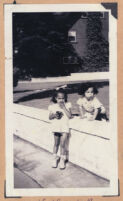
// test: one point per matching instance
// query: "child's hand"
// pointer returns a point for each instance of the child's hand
(52, 116)
(90, 109)
(83, 117)
(62, 105)
(91, 118)
(58, 115)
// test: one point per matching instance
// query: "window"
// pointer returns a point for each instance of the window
(70, 60)
(72, 36)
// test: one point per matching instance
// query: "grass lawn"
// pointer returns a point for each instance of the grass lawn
(33, 98)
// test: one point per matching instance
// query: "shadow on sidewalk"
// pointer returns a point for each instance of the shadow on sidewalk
(34, 162)
(21, 180)
(71, 88)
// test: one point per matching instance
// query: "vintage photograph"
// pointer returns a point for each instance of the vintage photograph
(61, 100)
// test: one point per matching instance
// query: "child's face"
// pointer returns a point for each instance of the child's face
(89, 93)
(60, 98)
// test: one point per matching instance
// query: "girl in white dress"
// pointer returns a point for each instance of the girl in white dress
(89, 105)
(59, 114)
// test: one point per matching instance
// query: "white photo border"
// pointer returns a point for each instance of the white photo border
(111, 75)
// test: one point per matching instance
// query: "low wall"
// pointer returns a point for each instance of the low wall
(72, 77)
(89, 142)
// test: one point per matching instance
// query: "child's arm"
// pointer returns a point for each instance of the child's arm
(81, 112)
(67, 111)
(97, 107)
(93, 117)
(52, 116)
(80, 107)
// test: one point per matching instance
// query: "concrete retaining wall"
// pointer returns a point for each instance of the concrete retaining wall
(72, 77)
(89, 142)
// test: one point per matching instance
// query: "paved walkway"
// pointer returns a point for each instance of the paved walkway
(21, 180)
(33, 169)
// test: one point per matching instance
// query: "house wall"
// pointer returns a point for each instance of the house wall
(80, 27)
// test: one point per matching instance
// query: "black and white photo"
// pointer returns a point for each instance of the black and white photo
(61, 100)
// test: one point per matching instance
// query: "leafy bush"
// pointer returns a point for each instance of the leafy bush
(97, 54)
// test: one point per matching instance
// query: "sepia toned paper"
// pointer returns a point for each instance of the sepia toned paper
(114, 188)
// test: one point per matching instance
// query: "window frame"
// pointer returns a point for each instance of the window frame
(69, 60)
(73, 41)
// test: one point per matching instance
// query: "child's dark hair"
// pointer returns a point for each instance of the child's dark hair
(85, 86)
(60, 90)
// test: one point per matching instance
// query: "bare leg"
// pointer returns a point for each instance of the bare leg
(63, 144)
(56, 143)
(55, 150)
(63, 150)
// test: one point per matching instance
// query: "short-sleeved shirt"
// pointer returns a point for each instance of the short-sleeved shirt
(89, 106)
(59, 125)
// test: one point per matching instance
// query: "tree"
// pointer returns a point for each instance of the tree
(97, 54)
(40, 41)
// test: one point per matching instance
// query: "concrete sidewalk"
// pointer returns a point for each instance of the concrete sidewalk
(33, 164)
(21, 180)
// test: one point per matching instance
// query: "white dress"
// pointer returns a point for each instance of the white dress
(59, 125)
(90, 106)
